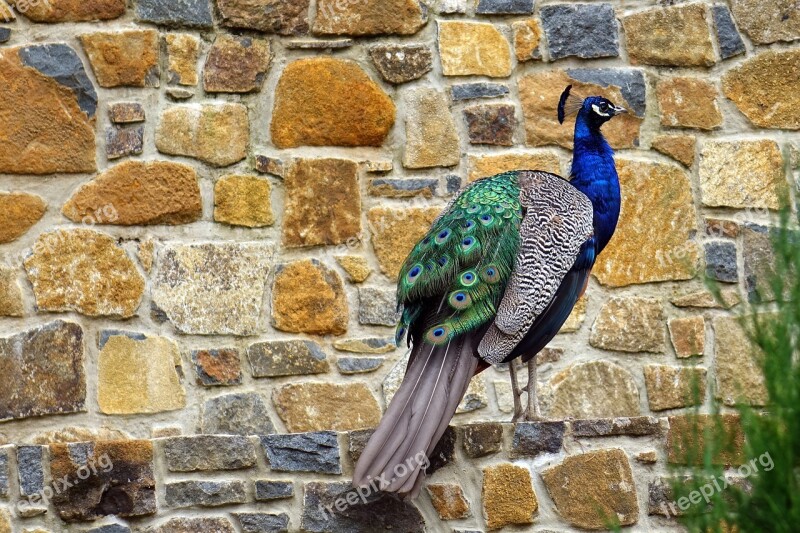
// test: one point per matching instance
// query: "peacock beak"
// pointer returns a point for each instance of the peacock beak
(618, 110)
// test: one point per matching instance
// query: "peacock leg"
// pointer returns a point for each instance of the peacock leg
(532, 414)
(516, 392)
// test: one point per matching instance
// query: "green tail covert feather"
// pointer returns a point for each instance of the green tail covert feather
(468, 256)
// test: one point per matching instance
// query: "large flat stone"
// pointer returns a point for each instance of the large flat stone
(243, 201)
(740, 378)
(237, 414)
(508, 496)
(304, 452)
(48, 106)
(473, 48)
(217, 134)
(209, 452)
(670, 387)
(768, 22)
(613, 392)
(194, 493)
(431, 135)
(689, 103)
(581, 30)
(181, 13)
(284, 17)
(287, 358)
(692, 437)
(347, 107)
(483, 166)
(84, 271)
(326, 406)
(309, 297)
(632, 325)
(19, 211)
(223, 299)
(123, 59)
(138, 193)
(670, 36)
(370, 17)
(236, 64)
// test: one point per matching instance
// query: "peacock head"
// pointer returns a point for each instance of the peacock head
(596, 110)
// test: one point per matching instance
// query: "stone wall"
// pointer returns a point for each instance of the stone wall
(204, 205)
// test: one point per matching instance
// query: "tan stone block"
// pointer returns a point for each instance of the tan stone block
(688, 336)
(654, 237)
(704, 299)
(5, 521)
(448, 500)
(395, 231)
(508, 496)
(670, 36)
(357, 267)
(183, 52)
(139, 376)
(687, 441)
(738, 369)
(613, 392)
(589, 488)
(72, 434)
(325, 406)
(217, 134)
(370, 17)
(10, 293)
(527, 35)
(682, 148)
(742, 174)
(670, 387)
(431, 135)
(123, 59)
(84, 271)
(764, 89)
(689, 103)
(243, 201)
(70, 10)
(482, 166)
(145, 251)
(647, 458)
(473, 48)
(540, 93)
(138, 193)
(768, 22)
(18, 213)
(347, 107)
(308, 297)
(236, 64)
(630, 324)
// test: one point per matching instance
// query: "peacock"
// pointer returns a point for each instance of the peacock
(493, 280)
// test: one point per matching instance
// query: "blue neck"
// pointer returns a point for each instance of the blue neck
(594, 174)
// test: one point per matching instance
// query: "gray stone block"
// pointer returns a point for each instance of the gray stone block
(581, 30)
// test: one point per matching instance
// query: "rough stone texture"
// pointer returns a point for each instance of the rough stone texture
(670, 387)
(208, 452)
(323, 406)
(123, 142)
(704, 299)
(721, 261)
(589, 487)
(540, 93)
(688, 336)
(768, 22)
(204, 493)
(580, 30)
(57, 134)
(431, 135)
(284, 17)
(183, 51)
(307, 452)
(532, 439)
(687, 439)
(643, 251)
(273, 490)
(308, 297)
(123, 59)
(370, 17)
(688, 103)
(323, 202)
(395, 231)
(139, 374)
(263, 522)
(237, 414)
(243, 201)
(480, 89)
(682, 148)
(491, 124)
(196, 525)
(483, 439)
(377, 307)
(236, 64)
(508, 497)
(124, 484)
(183, 13)
(217, 134)
(84, 271)
(762, 89)
(223, 300)
(730, 42)
(629, 325)
(449, 501)
(374, 345)
(126, 113)
(742, 174)
(473, 48)
(759, 262)
(384, 513)
(527, 36)
(54, 11)
(217, 367)
(613, 392)
(356, 267)
(738, 368)
(359, 365)
(721, 227)
(403, 187)
(5, 476)
(638, 426)
(324, 101)
(482, 166)
(138, 193)
(18, 213)
(670, 36)
(30, 464)
(287, 358)
(401, 64)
